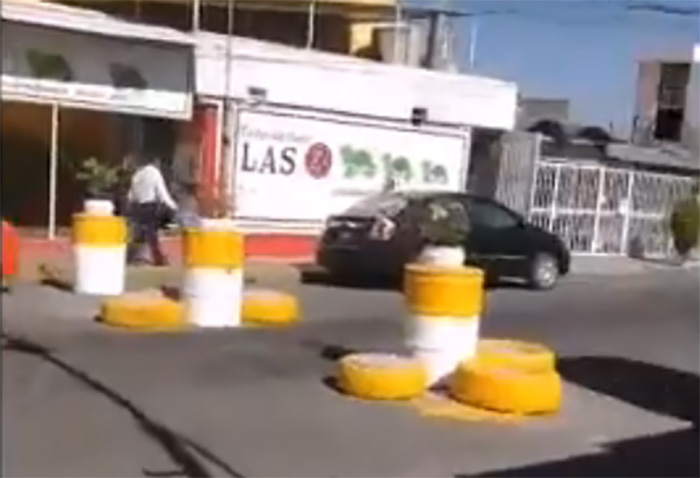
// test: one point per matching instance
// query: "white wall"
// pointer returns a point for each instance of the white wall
(334, 83)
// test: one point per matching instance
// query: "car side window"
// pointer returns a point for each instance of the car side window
(484, 214)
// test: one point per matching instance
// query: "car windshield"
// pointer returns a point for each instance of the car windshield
(387, 204)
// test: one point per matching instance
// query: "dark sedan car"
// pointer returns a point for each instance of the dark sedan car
(379, 235)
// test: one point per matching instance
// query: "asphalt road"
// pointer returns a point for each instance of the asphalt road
(81, 400)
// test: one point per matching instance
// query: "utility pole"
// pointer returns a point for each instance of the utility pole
(53, 169)
(473, 34)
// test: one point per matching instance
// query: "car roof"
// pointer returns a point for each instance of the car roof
(436, 194)
(420, 195)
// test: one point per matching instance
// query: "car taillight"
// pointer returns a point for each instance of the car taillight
(332, 222)
(382, 229)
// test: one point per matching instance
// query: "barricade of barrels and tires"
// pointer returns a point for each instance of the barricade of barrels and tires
(446, 355)
(443, 307)
(212, 293)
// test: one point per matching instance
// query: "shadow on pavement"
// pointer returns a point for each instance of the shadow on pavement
(651, 387)
(333, 384)
(183, 451)
(670, 454)
(332, 353)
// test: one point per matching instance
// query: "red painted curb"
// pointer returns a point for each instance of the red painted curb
(271, 248)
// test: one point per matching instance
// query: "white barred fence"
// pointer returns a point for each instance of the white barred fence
(599, 209)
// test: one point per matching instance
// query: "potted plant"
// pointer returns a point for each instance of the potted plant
(444, 228)
(99, 180)
(685, 225)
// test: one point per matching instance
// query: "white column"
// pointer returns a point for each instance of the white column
(196, 14)
(53, 170)
(397, 24)
(311, 25)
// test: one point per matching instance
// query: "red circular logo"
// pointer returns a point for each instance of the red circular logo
(318, 160)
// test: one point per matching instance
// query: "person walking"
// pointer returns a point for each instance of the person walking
(149, 201)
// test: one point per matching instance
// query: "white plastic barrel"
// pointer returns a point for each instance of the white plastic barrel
(213, 281)
(99, 250)
(444, 309)
(99, 207)
(445, 256)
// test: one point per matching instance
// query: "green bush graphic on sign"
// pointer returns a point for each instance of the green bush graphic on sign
(401, 170)
(359, 163)
(434, 173)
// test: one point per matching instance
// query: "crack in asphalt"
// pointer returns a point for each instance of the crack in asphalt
(184, 452)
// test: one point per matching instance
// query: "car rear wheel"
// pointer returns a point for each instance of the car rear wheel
(543, 272)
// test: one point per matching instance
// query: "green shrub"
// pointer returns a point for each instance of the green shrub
(685, 225)
(444, 223)
(99, 179)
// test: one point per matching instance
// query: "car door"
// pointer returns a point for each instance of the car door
(498, 239)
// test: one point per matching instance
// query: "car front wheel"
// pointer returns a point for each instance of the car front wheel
(543, 272)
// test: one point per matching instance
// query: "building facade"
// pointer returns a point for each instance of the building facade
(666, 106)
(338, 26)
(78, 84)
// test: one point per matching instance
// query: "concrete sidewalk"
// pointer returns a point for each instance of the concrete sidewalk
(621, 266)
(261, 274)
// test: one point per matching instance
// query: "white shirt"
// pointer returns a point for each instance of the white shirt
(148, 185)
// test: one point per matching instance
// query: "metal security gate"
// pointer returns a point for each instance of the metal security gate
(602, 210)
(518, 155)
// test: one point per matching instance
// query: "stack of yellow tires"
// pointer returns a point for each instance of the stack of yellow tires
(152, 311)
(510, 377)
(381, 376)
(269, 307)
(144, 311)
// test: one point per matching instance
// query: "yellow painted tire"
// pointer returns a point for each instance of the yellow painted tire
(143, 312)
(507, 390)
(526, 356)
(382, 376)
(269, 307)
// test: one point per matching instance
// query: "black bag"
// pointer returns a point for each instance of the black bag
(166, 216)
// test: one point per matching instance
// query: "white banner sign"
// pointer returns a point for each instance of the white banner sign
(84, 70)
(304, 169)
(98, 97)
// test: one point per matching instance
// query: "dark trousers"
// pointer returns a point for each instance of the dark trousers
(145, 222)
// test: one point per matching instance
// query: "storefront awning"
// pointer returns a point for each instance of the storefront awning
(83, 59)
